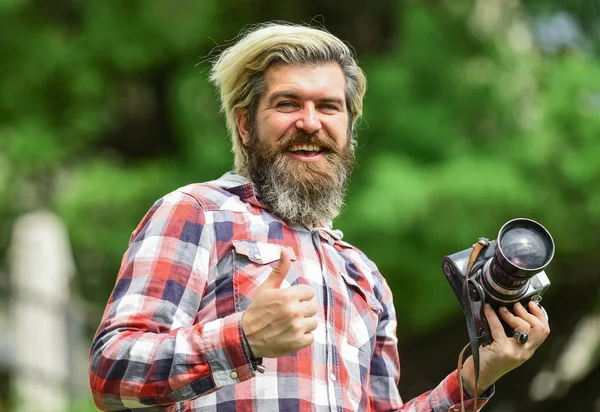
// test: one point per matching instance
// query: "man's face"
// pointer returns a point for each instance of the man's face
(300, 140)
(309, 99)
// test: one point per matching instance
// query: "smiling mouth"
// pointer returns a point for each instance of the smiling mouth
(305, 151)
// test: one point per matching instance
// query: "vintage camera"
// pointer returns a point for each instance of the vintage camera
(507, 270)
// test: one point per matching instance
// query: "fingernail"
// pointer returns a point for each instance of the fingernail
(518, 304)
(488, 306)
(503, 309)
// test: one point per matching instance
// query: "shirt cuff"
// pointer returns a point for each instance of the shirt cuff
(454, 391)
(223, 345)
(484, 396)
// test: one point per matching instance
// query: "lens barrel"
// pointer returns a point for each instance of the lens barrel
(523, 249)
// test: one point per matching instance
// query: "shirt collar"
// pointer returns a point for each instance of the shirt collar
(240, 186)
(247, 191)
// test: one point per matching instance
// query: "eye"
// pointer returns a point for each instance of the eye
(328, 107)
(286, 105)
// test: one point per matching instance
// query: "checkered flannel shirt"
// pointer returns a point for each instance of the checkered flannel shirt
(171, 337)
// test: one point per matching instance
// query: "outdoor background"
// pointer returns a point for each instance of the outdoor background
(477, 112)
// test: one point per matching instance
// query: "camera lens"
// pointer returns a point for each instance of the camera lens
(523, 249)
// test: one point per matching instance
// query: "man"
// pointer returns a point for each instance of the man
(237, 294)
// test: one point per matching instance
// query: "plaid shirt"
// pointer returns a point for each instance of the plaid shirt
(171, 337)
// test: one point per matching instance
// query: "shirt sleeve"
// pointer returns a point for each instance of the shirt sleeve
(385, 373)
(446, 398)
(148, 350)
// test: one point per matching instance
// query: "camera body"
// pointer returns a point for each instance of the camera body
(506, 271)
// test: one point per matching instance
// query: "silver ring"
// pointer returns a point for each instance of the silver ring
(521, 337)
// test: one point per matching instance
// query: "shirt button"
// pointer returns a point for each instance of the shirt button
(332, 377)
(257, 256)
(234, 375)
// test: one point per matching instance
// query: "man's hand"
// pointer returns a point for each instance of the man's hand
(505, 353)
(278, 322)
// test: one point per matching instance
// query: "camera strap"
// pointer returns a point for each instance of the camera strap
(473, 339)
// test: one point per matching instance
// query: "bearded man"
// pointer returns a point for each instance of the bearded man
(237, 294)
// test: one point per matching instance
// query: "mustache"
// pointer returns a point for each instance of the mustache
(316, 139)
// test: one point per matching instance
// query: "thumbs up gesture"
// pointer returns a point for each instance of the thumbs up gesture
(278, 321)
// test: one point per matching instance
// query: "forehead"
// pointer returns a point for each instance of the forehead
(314, 80)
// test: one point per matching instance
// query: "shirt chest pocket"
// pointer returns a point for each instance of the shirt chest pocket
(363, 315)
(252, 263)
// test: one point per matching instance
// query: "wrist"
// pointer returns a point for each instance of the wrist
(248, 346)
(256, 361)
(468, 379)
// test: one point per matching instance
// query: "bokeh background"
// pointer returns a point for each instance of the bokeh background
(478, 111)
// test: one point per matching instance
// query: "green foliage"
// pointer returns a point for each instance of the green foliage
(103, 110)
(105, 107)
(463, 135)
(83, 405)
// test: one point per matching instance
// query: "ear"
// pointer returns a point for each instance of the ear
(241, 120)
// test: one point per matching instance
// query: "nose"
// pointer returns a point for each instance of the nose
(309, 119)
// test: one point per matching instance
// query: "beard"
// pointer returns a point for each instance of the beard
(307, 193)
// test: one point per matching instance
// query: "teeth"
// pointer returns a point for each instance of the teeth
(305, 147)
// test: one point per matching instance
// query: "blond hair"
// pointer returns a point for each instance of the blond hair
(238, 73)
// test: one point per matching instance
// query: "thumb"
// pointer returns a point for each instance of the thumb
(279, 272)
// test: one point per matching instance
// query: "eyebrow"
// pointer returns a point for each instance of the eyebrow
(288, 94)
